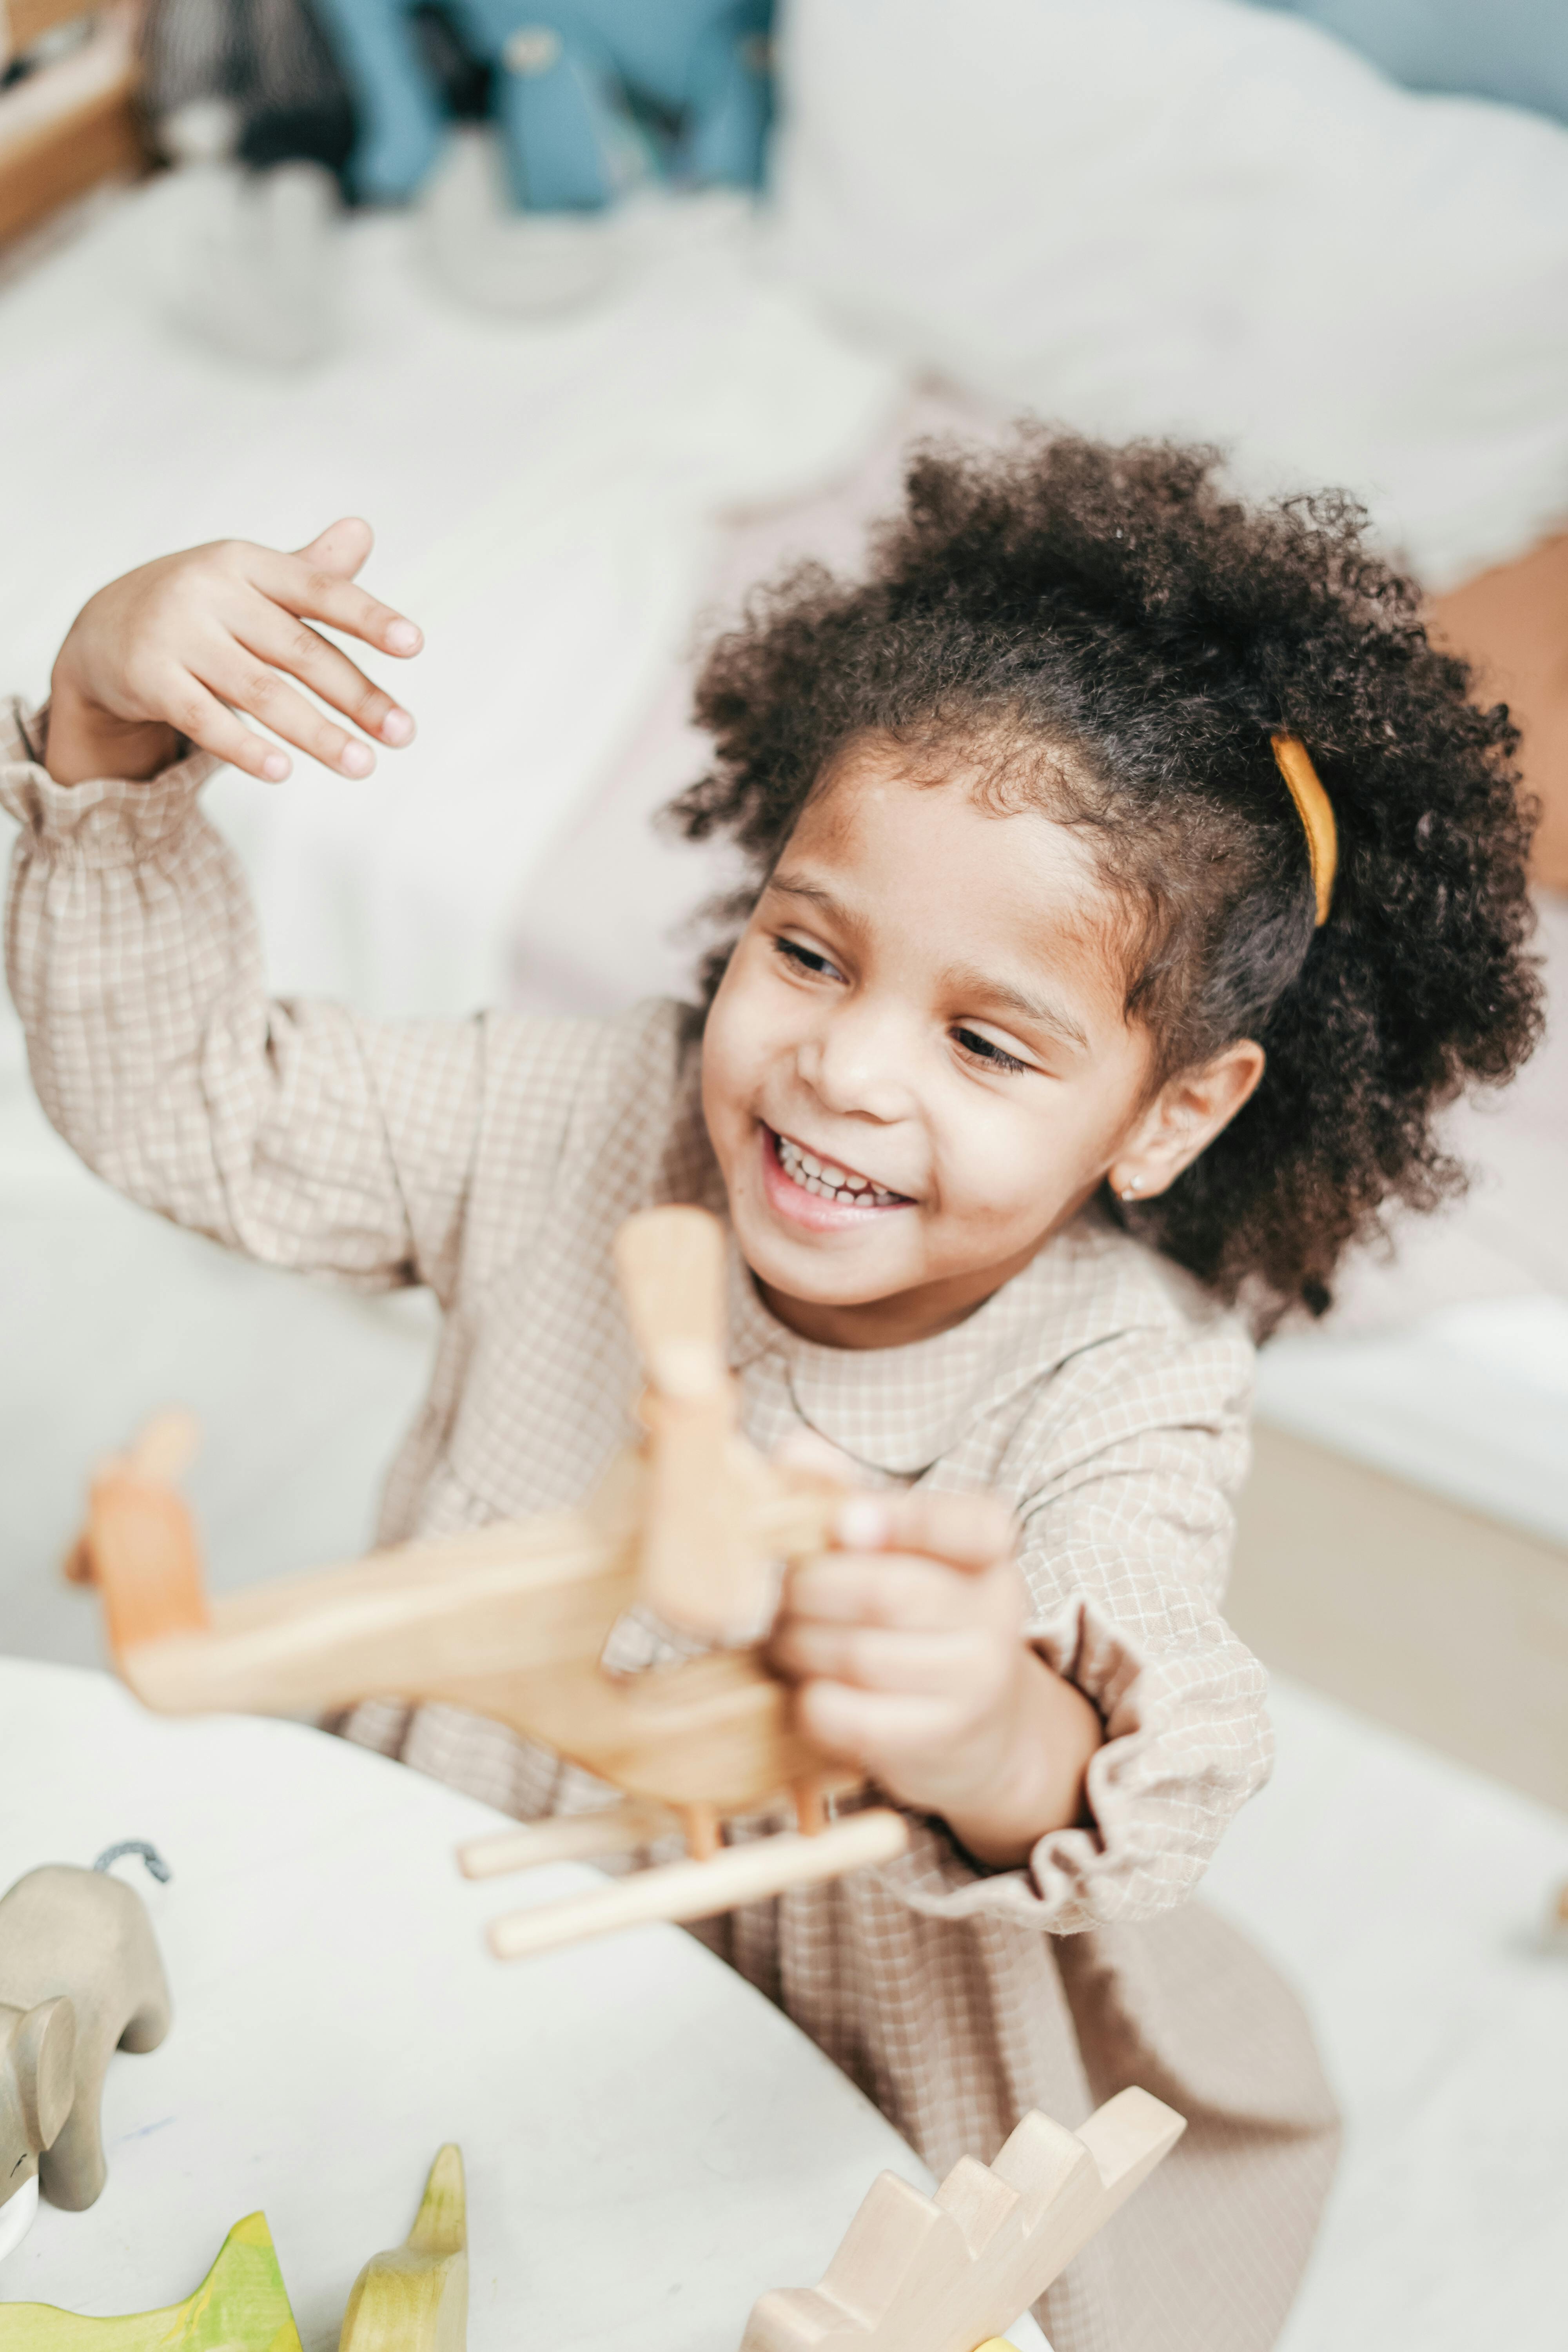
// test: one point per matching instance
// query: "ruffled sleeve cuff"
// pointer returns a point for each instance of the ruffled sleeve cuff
(104, 822)
(1073, 1881)
(1161, 1793)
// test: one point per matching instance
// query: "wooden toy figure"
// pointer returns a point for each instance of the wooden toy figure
(240, 2306)
(511, 1622)
(79, 1977)
(416, 2298)
(947, 2274)
(413, 2299)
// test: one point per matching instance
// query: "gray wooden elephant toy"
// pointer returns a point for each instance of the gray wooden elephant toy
(79, 1977)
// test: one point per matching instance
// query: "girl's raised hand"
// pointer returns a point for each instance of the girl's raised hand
(197, 644)
(907, 1643)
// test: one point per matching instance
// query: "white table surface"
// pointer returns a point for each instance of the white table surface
(650, 2143)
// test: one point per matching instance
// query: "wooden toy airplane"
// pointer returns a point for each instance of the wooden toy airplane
(948, 2274)
(512, 1621)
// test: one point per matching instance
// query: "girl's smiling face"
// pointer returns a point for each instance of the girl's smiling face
(918, 1065)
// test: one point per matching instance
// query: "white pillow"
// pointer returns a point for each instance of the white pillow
(1198, 217)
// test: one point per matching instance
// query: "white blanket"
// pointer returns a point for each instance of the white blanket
(1194, 216)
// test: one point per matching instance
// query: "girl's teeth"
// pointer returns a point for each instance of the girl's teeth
(826, 1182)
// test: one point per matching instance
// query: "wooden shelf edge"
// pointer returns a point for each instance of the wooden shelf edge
(29, 20)
(47, 168)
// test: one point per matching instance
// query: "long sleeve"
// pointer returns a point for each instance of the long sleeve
(294, 1132)
(1126, 1546)
(1126, 1557)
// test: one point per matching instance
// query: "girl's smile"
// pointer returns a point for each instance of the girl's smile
(817, 1192)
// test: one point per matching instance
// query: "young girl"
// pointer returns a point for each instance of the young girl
(1134, 884)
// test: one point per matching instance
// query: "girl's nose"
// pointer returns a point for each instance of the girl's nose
(857, 1063)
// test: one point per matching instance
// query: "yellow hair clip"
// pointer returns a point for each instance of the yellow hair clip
(1316, 812)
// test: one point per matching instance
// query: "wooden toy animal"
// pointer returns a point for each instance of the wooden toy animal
(240, 2306)
(79, 1977)
(413, 2299)
(512, 1621)
(416, 2299)
(947, 2274)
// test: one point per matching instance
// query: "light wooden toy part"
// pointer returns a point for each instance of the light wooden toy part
(948, 2274)
(416, 2298)
(512, 1621)
(240, 2306)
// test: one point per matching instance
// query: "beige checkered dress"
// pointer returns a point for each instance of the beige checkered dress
(493, 1159)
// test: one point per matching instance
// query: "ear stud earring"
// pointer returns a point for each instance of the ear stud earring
(1130, 1188)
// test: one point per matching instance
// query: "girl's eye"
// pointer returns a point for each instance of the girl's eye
(803, 958)
(981, 1049)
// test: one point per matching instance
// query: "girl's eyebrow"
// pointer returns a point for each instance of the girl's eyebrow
(1008, 998)
(793, 888)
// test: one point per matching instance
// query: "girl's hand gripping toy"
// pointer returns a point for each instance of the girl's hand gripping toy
(512, 1621)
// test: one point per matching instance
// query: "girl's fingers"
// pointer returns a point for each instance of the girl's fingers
(294, 646)
(879, 1659)
(200, 716)
(967, 1531)
(317, 593)
(251, 687)
(345, 546)
(880, 1730)
(878, 1589)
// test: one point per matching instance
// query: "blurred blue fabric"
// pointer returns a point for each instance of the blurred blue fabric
(1516, 50)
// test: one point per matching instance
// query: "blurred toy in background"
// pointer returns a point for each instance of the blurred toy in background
(267, 61)
(586, 100)
(480, 246)
(590, 96)
(246, 100)
(515, 128)
(80, 1977)
(584, 85)
(256, 270)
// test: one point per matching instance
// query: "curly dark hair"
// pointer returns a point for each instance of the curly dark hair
(1118, 638)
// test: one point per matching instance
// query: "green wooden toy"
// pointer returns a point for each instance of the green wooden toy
(240, 2306)
(417, 2295)
(413, 2299)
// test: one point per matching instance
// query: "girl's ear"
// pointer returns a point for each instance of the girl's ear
(1184, 1119)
